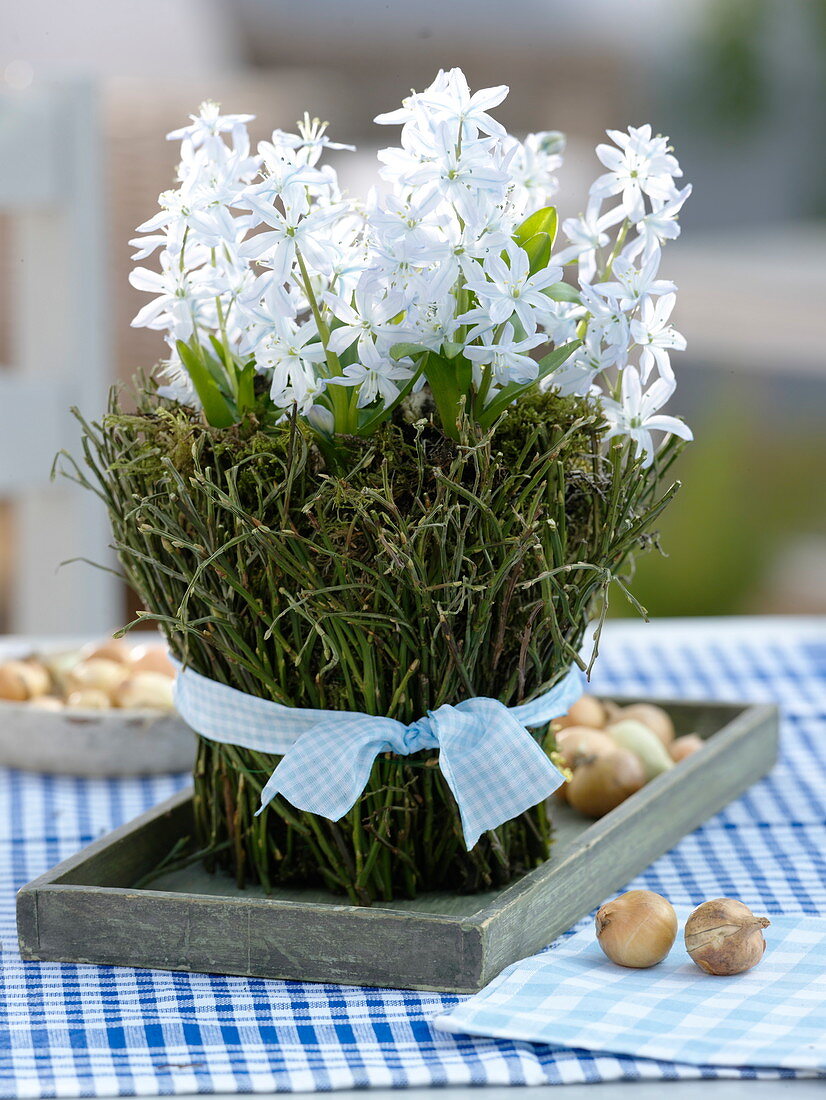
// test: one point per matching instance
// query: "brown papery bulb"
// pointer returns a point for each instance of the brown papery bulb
(600, 783)
(613, 711)
(97, 674)
(22, 680)
(145, 689)
(586, 711)
(578, 741)
(685, 746)
(637, 929)
(152, 658)
(112, 649)
(724, 937)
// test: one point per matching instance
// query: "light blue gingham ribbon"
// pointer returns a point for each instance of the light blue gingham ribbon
(493, 766)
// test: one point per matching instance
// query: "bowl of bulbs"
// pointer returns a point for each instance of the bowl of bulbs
(102, 709)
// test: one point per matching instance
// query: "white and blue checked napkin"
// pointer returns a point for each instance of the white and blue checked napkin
(72, 1031)
(572, 996)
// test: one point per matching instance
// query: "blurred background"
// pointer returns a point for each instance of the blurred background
(89, 89)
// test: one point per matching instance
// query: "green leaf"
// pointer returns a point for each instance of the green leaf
(349, 356)
(219, 349)
(562, 292)
(214, 366)
(402, 351)
(538, 248)
(217, 408)
(452, 349)
(549, 363)
(508, 394)
(541, 221)
(449, 381)
(246, 388)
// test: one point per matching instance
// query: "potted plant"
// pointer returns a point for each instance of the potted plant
(400, 453)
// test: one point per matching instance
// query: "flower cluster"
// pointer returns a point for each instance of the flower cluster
(624, 307)
(446, 277)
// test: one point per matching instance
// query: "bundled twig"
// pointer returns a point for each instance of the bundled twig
(420, 571)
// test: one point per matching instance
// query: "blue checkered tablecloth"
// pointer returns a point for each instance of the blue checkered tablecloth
(70, 1030)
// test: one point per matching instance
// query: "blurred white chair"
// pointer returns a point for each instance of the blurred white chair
(51, 190)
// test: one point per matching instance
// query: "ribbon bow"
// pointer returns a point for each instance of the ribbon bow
(493, 766)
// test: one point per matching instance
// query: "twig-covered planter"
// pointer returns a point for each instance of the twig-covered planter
(398, 461)
(429, 571)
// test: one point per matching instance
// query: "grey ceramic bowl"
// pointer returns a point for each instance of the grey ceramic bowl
(90, 742)
(94, 742)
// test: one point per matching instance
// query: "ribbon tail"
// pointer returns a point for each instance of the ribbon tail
(494, 767)
(328, 767)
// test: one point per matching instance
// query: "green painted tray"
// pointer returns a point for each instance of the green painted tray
(88, 910)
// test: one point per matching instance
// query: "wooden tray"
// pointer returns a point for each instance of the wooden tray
(88, 910)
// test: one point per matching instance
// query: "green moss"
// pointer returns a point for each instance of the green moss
(545, 417)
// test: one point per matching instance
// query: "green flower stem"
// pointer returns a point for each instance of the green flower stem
(620, 241)
(341, 397)
(229, 363)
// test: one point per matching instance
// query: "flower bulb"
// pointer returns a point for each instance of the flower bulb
(637, 929)
(724, 937)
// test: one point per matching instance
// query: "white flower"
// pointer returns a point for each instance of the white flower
(633, 284)
(454, 104)
(658, 226)
(184, 299)
(368, 315)
(508, 357)
(448, 98)
(321, 419)
(290, 353)
(587, 235)
(532, 168)
(411, 109)
(290, 231)
(576, 375)
(289, 344)
(261, 308)
(146, 245)
(640, 166)
(561, 320)
(607, 324)
(208, 125)
(455, 174)
(655, 335)
(297, 384)
(283, 179)
(400, 260)
(347, 263)
(486, 229)
(430, 320)
(310, 142)
(637, 414)
(510, 288)
(375, 375)
(423, 221)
